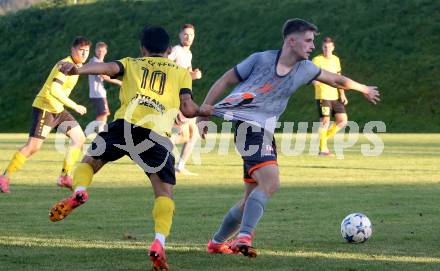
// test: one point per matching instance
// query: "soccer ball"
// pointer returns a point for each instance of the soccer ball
(356, 228)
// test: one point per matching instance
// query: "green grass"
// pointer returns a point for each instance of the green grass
(299, 231)
(391, 44)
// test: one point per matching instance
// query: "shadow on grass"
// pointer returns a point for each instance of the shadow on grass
(300, 229)
(25, 257)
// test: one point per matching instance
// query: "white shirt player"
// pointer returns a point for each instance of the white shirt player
(96, 83)
(181, 56)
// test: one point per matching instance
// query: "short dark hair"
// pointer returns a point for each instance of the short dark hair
(155, 39)
(81, 41)
(327, 40)
(185, 26)
(297, 26)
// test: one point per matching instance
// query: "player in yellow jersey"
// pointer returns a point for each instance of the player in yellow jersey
(153, 91)
(48, 112)
(330, 101)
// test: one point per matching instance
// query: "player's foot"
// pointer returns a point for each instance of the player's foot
(222, 248)
(185, 172)
(243, 244)
(64, 207)
(65, 181)
(4, 184)
(157, 256)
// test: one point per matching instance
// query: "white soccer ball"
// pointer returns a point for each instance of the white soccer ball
(356, 228)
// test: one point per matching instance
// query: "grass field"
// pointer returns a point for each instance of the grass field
(398, 190)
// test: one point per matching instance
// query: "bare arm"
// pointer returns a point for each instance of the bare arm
(110, 80)
(187, 106)
(339, 81)
(216, 90)
(109, 69)
(342, 96)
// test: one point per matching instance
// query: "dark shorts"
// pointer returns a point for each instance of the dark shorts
(330, 107)
(155, 155)
(43, 121)
(101, 106)
(256, 147)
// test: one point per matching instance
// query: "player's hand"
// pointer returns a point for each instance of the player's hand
(196, 74)
(205, 110)
(180, 119)
(80, 109)
(344, 99)
(202, 126)
(372, 95)
(68, 68)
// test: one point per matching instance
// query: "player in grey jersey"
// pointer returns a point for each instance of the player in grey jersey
(265, 81)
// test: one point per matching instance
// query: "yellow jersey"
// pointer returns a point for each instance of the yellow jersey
(331, 64)
(45, 99)
(150, 91)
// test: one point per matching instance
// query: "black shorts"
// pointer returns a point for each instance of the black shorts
(43, 121)
(330, 107)
(153, 154)
(256, 147)
(101, 106)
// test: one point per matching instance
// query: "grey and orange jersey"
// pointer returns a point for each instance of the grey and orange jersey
(262, 95)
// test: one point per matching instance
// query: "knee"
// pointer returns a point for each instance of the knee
(271, 187)
(325, 122)
(165, 193)
(163, 190)
(79, 140)
(274, 187)
(341, 124)
(30, 149)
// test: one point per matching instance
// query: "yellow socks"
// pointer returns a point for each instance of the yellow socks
(333, 130)
(16, 163)
(323, 139)
(163, 212)
(70, 159)
(82, 176)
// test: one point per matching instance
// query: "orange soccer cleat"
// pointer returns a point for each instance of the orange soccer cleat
(221, 248)
(4, 184)
(243, 245)
(64, 207)
(157, 256)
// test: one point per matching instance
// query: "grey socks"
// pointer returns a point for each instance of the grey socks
(230, 225)
(253, 211)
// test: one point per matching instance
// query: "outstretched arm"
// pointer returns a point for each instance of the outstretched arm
(339, 81)
(190, 109)
(187, 106)
(109, 69)
(228, 79)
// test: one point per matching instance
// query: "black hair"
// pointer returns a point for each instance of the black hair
(297, 26)
(81, 41)
(155, 39)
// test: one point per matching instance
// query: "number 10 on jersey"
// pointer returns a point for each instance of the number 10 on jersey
(156, 81)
